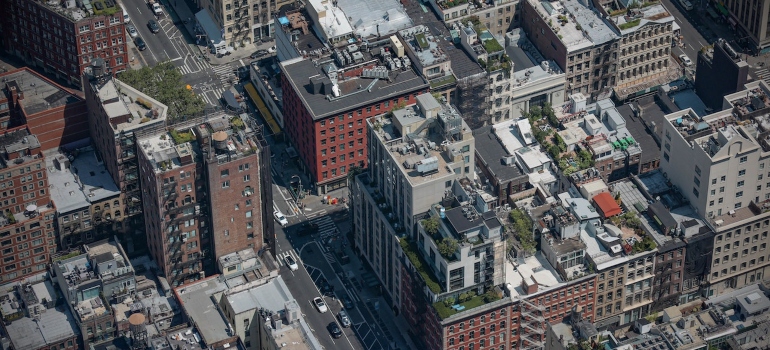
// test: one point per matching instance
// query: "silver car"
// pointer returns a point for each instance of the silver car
(344, 318)
(132, 30)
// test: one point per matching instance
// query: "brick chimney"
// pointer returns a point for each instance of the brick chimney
(15, 93)
(529, 285)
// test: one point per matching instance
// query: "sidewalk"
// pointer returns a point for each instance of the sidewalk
(185, 11)
(396, 326)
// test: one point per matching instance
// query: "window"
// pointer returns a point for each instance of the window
(226, 184)
(740, 183)
(738, 194)
(225, 173)
(744, 159)
(742, 172)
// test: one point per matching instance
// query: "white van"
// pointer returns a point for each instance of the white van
(126, 19)
(686, 4)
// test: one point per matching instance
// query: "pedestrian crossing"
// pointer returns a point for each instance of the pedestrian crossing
(329, 257)
(326, 227)
(763, 74)
(225, 73)
(293, 253)
(316, 213)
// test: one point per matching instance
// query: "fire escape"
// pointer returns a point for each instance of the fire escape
(179, 266)
(533, 326)
(130, 175)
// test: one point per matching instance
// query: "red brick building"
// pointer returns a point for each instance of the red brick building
(56, 115)
(26, 225)
(325, 107)
(62, 38)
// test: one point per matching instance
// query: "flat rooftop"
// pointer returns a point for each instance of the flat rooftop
(641, 135)
(334, 22)
(75, 184)
(196, 300)
(529, 66)
(533, 267)
(164, 154)
(424, 45)
(375, 18)
(354, 92)
(39, 93)
(54, 326)
(119, 101)
(272, 296)
(593, 29)
(492, 153)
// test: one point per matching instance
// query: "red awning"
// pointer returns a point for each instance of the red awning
(607, 204)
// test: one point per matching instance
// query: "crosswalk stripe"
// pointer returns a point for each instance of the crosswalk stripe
(763, 74)
(329, 257)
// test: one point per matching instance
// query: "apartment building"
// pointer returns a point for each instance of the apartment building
(172, 195)
(724, 155)
(615, 152)
(752, 19)
(63, 38)
(721, 71)
(31, 320)
(89, 282)
(116, 121)
(238, 22)
(498, 16)
(56, 115)
(238, 189)
(87, 201)
(27, 233)
(578, 39)
(644, 55)
(325, 110)
(409, 174)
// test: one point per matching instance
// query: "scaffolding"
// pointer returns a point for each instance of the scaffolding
(472, 96)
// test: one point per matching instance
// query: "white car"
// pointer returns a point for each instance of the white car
(126, 19)
(685, 60)
(320, 305)
(132, 30)
(291, 263)
(280, 218)
(271, 49)
(157, 9)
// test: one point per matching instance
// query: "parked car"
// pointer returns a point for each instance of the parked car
(334, 330)
(320, 305)
(291, 263)
(280, 218)
(132, 30)
(153, 25)
(347, 303)
(685, 60)
(139, 42)
(258, 54)
(126, 19)
(344, 318)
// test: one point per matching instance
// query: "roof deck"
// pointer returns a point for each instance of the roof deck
(424, 45)
(535, 268)
(635, 19)
(164, 155)
(75, 11)
(583, 27)
(128, 108)
(17, 147)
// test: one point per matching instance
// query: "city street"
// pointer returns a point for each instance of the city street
(174, 44)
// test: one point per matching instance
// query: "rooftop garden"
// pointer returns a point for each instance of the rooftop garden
(521, 225)
(181, 137)
(451, 3)
(163, 83)
(465, 301)
(445, 80)
(237, 123)
(105, 7)
(630, 24)
(447, 246)
(412, 253)
(544, 123)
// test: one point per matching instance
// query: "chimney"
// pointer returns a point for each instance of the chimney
(275, 321)
(529, 285)
(15, 92)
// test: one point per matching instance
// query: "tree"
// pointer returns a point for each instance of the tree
(549, 113)
(430, 225)
(447, 247)
(163, 82)
(522, 224)
(554, 151)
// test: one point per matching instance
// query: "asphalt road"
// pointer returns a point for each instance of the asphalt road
(174, 44)
(692, 38)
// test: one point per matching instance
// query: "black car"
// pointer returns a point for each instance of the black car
(153, 25)
(139, 42)
(258, 54)
(334, 330)
(347, 303)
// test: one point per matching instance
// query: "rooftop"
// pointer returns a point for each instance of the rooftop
(423, 143)
(424, 45)
(375, 18)
(76, 11)
(529, 66)
(583, 27)
(531, 268)
(640, 134)
(18, 147)
(490, 151)
(332, 20)
(39, 93)
(197, 301)
(77, 180)
(273, 296)
(636, 18)
(52, 327)
(128, 108)
(327, 90)
(164, 154)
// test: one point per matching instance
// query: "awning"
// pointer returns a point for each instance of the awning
(252, 92)
(213, 32)
(723, 10)
(232, 103)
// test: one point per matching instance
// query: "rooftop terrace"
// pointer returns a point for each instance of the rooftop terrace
(18, 147)
(636, 18)
(128, 108)
(581, 28)
(424, 45)
(39, 93)
(375, 18)
(76, 11)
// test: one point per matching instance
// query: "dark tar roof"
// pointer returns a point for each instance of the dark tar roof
(662, 213)
(491, 152)
(103, 258)
(459, 222)
(519, 58)
(299, 73)
(650, 148)
(40, 93)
